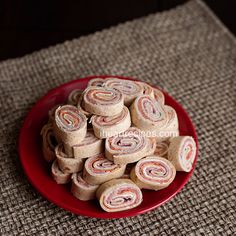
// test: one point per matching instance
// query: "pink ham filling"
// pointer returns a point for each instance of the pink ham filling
(93, 97)
(187, 142)
(144, 102)
(110, 120)
(122, 201)
(103, 163)
(70, 118)
(156, 169)
(123, 144)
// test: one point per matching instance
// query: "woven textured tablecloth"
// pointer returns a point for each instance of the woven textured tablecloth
(187, 52)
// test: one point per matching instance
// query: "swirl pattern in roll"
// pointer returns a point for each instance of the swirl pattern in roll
(90, 146)
(65, 163)
(58, 175)
(153, 173)
(49, 142)
(162, 148)
(98, 170)
(172, 118)
(171, 128)
(147, 89)
(159, 96)
(130, 89)
(127, 147)
(119, 195)
(147, 114)
(81, 189)
(103, 101)
(182, 152)
(74, 97)
(70, 124)
(107, 126)
(96, 82)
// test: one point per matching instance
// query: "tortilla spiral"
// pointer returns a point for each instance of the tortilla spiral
(147, 89)
(119, 195)
(74, 97)
(96, 82)
(103, 101)
(58, 175)
(65, 163)
(159, 96)
(90, 146)
(81, 189)
(107, 126)
(147, 114)
(98, 170)
(49, 142)
(182, 152)
(130, 89)
(153, 173)
(127, 147)
(70, 124)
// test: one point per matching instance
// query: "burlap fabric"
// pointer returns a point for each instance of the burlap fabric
(187, 52)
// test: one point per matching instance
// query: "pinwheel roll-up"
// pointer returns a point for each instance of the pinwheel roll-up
(103, 101)
(107, 126)
(172, 119)
(58, 175)
(49, 142)
(81, 189)
(130, 89)
(119, 195)
(98, 170)
(127, 147)
(162, 148)
(70, 124)
(74, 96)
(65, 163)
(171, 128)
(153, 173)
(159, 96)
(96, 82)
(182, 152)
(90, 146)
(147, 114)
(147, 89)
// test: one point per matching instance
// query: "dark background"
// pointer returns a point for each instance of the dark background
(26, 26)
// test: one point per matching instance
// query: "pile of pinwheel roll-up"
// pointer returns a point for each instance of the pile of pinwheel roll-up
(112, 140)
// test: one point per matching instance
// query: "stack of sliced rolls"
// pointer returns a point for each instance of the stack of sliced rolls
(112, 140)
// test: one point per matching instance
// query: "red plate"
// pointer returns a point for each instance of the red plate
(38, 171)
